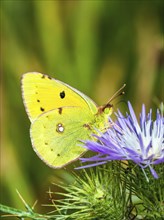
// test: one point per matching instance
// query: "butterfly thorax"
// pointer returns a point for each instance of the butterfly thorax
(101, 121)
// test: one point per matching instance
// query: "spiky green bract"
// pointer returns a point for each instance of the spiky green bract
(115, 191)
(96, 194)
(147, 197)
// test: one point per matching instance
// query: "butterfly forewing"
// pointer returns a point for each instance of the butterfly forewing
(42, 93)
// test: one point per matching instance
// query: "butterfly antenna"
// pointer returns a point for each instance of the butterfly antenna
(116, 94)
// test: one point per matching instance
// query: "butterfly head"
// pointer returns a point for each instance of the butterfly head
(106, 109)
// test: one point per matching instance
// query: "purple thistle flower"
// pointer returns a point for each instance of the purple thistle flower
(143, 142)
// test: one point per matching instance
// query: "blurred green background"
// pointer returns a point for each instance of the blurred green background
(95, 46)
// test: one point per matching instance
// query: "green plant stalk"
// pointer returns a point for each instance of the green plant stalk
(21, 214)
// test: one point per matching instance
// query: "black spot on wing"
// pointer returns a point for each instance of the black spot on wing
(38, 100)
(60, 110)
(58, 155)
(42, 109)
(62, 95)
(45, 76)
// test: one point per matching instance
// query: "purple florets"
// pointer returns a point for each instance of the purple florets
(143, 142)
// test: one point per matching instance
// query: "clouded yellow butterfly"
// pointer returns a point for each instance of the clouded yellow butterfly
(61, 116)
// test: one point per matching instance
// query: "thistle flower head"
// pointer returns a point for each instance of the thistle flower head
(142, 142)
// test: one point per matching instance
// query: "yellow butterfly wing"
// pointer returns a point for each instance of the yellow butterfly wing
(42, 93)
(56, 134)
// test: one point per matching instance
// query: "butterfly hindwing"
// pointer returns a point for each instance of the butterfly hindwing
(56, 134)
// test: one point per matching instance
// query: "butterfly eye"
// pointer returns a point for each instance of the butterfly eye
(59, 128)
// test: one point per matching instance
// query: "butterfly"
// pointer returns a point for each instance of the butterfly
(61, 116)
